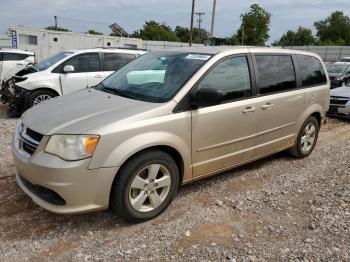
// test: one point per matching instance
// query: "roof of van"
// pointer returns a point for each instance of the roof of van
(221, 49)
(17, 51)
(111, 50)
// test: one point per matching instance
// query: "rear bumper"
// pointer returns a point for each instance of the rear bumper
(63, 187)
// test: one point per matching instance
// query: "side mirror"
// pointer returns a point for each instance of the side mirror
(68, 69)
(206, 97)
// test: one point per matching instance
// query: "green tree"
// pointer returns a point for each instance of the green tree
(154, 31)
(302, 37)
(93, 32)
(233, 40)
(54, 28)
(334, 30)
(183, 33)
(255, 26)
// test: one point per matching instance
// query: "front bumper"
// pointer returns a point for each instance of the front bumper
(80, 188)
(339, 111)
(19, 99)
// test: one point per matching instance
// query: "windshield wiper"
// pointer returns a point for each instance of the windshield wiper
(117, 92)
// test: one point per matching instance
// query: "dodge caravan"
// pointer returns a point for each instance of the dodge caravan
(165, 119)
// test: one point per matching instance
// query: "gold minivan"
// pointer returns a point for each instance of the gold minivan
(165, 119)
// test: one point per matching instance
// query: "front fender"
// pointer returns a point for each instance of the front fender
(126, 149)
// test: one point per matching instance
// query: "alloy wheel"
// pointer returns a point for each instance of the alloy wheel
(149, 188)
(308, 138)
(41, 98)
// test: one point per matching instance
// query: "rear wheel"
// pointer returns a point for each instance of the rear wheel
(307, 138)
(145, 186)
(40, 96)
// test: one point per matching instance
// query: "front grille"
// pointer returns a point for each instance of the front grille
(34, 135)
(44, 193)
(333, 109)
(338, 100)
(28, 139)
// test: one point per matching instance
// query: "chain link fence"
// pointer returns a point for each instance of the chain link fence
(328, 53)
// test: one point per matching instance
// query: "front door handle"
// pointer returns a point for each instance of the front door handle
(267, 106)
(248, 110)
(98, 76)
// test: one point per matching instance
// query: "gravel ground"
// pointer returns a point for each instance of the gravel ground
(277, 208)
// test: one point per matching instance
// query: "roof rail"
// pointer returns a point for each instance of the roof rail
(126, 48)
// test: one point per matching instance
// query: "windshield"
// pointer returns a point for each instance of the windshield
(45, 64)
(337, 69)
(154, 77)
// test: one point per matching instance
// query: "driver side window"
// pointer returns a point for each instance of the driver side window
(231, 77)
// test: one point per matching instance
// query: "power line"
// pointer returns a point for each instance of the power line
(83, 21)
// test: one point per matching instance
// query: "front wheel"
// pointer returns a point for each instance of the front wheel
(145, 186)
(307, 138)
(40, 96)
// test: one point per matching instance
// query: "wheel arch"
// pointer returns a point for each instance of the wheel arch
(46, 89)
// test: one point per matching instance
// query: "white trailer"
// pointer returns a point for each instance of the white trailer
(47, 42)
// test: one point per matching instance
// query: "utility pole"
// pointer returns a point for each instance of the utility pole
(199, 20)
(55, 17)
(213, 19)
(242, 34)
(191, 27)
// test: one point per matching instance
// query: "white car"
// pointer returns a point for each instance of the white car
(11, 58)
(64, 73)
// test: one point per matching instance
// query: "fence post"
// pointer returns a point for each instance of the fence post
(340, 52)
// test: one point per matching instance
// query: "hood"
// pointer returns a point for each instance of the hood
(87, 111)
(343, 91)
(335, 74)
(20, 71)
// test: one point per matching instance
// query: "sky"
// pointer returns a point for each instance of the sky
(82, 15)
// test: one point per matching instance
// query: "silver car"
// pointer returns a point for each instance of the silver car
(340, 102)
(166, 119)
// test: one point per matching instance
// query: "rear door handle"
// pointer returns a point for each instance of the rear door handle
(267, 106)
(248, 110)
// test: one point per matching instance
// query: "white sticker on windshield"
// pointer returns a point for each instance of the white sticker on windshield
(198, 57)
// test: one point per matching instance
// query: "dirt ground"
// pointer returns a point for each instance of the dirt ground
(276, 209)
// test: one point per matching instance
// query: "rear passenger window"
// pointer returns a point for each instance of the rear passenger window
(114, 62)
(275, 73)
(231, 77)
(311, 71)
(14, 57)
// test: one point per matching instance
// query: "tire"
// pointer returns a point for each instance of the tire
(13, 112)
(40, 94)
(135, 196)
(307, 139)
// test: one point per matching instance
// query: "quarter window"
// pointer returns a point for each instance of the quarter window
(231, 77)
(89, 62)
(311, 71)
(114, 62)
(275, 73)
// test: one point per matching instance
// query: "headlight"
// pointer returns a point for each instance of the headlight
(72, 147)
(340, 78)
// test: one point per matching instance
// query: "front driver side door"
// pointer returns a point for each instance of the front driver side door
(224, 135)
